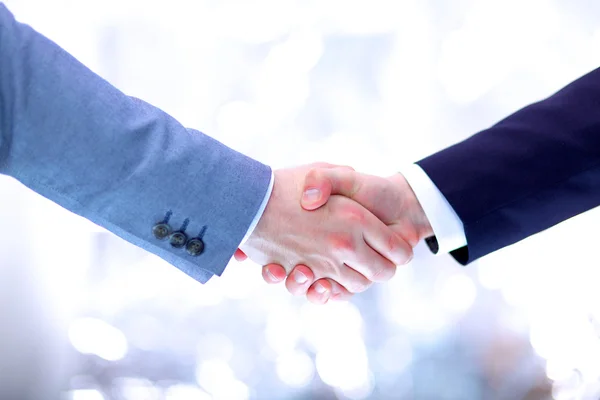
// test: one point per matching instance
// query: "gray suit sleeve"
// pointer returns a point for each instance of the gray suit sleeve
(72, 137)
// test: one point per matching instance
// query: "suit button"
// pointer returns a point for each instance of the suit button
(195, 247)
(178, 239)
(161, 231)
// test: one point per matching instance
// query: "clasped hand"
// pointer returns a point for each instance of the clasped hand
(329, 231)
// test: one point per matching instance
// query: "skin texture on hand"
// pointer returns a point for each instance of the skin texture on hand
(390, 199)
(341, 240)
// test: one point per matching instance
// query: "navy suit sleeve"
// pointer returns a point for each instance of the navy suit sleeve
(530, 171)
(72, 137)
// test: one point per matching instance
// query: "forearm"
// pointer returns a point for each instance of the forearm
(116, 160)
(527, 173)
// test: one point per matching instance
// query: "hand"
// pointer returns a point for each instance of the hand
(390, 199)
(302, 282)
(341, 240)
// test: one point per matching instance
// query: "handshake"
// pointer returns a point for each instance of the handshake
(333, 231)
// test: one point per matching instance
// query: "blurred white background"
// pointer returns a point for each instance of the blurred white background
(373, 84)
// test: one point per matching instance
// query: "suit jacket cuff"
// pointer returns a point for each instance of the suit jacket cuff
(446, 225)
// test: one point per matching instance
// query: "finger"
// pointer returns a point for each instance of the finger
(372, 266)
(338, 292)
(299, 280)
(383, 240)
(362, 247)
(352, 279)
(320, 292)
(273, 273)
(321, 183)
(239, 255)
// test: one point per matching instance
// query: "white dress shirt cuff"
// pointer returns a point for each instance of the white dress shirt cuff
(260, 211)
(447, 226)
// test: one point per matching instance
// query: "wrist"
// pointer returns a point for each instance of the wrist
(410, 207)
(260, 213)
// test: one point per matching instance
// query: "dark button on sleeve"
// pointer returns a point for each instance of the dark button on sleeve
(195, 247)
(178, 239)
(161, 231)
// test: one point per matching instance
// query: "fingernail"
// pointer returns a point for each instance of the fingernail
(335, 289)
(311, 195)
(271, 275)
(299, 277)
(320, 288)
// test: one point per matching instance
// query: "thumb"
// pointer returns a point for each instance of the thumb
(321, 183)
